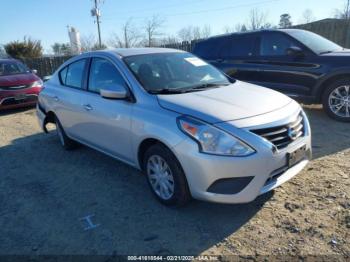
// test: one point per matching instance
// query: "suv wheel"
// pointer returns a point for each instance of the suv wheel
(65, 141)
(165, 176)
(336, 100)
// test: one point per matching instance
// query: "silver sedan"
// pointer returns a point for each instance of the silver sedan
(192, 130)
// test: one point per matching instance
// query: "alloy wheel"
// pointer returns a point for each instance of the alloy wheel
(160, 177)
(339, 101)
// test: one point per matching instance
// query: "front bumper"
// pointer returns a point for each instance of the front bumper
(19, 98)
(267, 168)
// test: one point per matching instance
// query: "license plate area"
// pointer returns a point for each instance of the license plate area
(296, 156)
(20, 97)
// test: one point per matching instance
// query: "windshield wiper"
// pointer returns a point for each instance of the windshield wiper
(205, 86)
(326, 52)
(165, 91)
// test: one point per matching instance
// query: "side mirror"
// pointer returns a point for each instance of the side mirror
(118, 92)
(34, 71)
(46, 78)
(294, 51)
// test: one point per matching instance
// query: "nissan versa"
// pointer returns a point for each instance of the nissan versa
(192, 130)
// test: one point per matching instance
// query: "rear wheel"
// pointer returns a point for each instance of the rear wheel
(165, 176)
(65, 141)
(336, 100)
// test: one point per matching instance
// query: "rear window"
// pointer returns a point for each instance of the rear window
(208, 49)
(239, 46)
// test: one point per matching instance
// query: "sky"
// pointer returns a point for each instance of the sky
(47, 20)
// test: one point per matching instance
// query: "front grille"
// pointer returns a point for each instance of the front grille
(14, 88)
(282, 136)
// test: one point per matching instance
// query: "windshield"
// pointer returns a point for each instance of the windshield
(315, 42)
(174, 72)
(12, 68)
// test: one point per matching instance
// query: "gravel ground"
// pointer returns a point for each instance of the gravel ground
(45, 192)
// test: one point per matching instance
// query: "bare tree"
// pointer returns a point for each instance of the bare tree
(168, 40)
(345, 12)
(152, 29)
(130, 36)
(257, 20)
(206, 31)
(88, 42)
(308, 16)
(190, 33)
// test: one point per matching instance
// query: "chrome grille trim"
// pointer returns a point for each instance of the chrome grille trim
(282, 136)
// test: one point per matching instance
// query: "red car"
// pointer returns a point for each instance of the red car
(19, 86)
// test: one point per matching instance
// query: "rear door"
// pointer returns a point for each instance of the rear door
(294, 75)
(66, 97)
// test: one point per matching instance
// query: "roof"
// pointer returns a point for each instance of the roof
(124, 52)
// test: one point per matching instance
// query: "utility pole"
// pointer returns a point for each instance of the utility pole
(96, 12)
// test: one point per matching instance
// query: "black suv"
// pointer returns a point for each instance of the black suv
(298, 63)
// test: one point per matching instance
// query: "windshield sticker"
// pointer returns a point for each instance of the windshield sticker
(196, 61)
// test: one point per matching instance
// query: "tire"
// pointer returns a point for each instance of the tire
(337, 93)
(65, 141)
(172, 176)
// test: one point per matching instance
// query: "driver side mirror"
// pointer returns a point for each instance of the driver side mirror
(117, 92)
(294, 51)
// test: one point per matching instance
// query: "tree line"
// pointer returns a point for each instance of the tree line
(151, 33)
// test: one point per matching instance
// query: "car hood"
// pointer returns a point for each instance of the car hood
(236, 101)
(18, 79)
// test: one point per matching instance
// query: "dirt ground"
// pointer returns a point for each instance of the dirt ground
(45, 192)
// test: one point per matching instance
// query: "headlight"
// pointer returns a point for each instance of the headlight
(38, 83)
(212, 140)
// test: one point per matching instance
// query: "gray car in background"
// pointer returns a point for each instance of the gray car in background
(192, 130)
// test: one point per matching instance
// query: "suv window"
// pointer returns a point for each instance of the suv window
(72, 75)
(209, 49)
(275, 44)
(104, 75)
(239, 46)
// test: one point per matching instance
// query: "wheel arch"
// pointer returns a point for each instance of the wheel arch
(325, 83)
(144, 145)
(49, 118)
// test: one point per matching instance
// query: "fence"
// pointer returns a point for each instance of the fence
(45, 65)
(336, 30)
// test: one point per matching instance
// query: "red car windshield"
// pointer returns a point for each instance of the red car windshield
(12, 68)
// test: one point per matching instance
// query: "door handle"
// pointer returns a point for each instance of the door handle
(56, 99)
(87, 107)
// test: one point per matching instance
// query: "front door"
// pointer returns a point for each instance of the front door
(106, 122)
(293, 75)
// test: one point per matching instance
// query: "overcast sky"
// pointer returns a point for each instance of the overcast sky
(47, 20)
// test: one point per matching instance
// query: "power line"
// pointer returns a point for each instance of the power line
(223, 9)
(158, 7)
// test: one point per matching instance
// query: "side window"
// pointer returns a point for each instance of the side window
(275, 44)
(73, 74)
(63, 74)
(104, 75)
(243, 46)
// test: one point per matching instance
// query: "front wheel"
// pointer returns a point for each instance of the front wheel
(165, 176)
(336, 100)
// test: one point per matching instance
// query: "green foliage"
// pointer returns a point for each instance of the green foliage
(28, 48)
(285, 21)
(61, 49)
